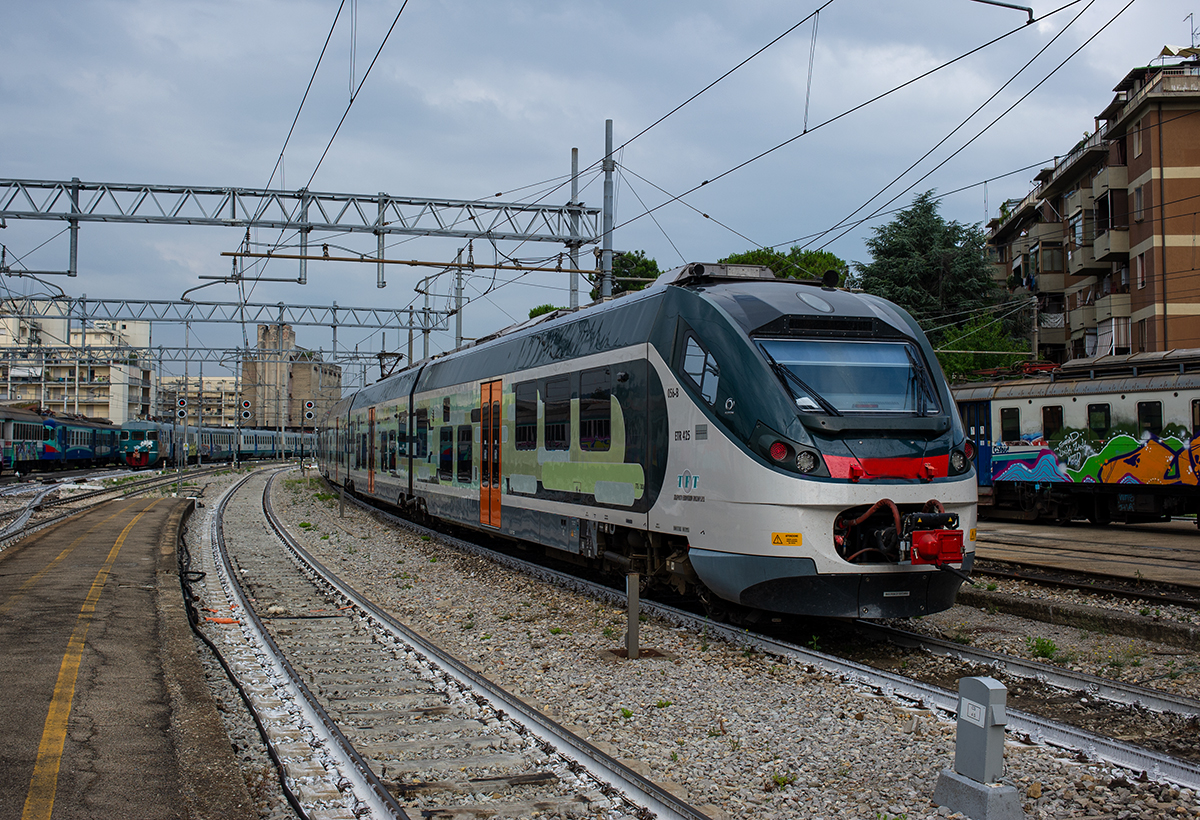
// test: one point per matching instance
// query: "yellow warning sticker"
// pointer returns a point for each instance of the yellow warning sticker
(786, 539)
(972, 533)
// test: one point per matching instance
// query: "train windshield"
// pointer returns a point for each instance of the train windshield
(843, 377)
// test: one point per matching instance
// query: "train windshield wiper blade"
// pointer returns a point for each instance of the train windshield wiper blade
(785, 375)
(920, 380)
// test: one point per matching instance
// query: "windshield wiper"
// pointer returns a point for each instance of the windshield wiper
(921, 379)
(785, 375)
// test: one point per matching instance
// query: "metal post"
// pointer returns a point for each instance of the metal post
(458, 300)
(304, 231)
(200, 417)
(187, 356)
(633, 615)
(379, 283)
(574, 219)
(971, 787)
(425, 325)
(606, 254)
(279, 382)
(341, 502)
(73, 265)
(410, 334)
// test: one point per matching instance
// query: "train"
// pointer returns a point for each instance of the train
(764, 445)
(1114, 438)
(145, 444)
(31, 441)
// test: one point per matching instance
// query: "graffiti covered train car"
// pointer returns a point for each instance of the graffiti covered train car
(1116, 438)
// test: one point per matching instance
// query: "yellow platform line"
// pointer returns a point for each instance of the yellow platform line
(12, 599)
(42, 788)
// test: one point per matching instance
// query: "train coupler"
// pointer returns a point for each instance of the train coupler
(933, 538)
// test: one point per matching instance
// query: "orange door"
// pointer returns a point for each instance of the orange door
(489, 454)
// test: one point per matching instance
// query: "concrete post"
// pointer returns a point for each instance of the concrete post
(633, 616)
(972, 787)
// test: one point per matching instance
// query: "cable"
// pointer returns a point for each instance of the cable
(1004, 113)
(304, 99)
(956, 128)
(844, 114)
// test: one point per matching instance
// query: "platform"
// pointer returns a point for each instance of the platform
(107, 713)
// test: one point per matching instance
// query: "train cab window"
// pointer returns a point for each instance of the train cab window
(446, 454)
(558, 414)
(1150, 417)
(525, 396)
(1099, 419)
(701, 368)
(1010, 425)
(124, 435)
(464, 453)
(1052, 421)
(595, 410)
(1196, 417)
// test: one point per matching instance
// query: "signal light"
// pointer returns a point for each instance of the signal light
(779, 451)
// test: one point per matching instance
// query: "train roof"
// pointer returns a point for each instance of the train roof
(1170, 370)
(9, 413)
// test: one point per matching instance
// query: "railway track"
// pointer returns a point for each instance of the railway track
(367, 717)
(1024, 725)
(20, 527)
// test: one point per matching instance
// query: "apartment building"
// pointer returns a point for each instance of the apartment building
(1107, 238)
(211, 401)
(96, 369)
(280, 380)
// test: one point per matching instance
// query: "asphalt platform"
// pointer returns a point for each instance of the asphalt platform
(105, 709)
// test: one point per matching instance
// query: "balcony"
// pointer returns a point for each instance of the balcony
(1079, 200)
(1114, 176)
(1051, 282)
(1114, 305)
(1046, 231)
(1111, 246)
(1083, 317)
(1052, 329)
(1082, 260)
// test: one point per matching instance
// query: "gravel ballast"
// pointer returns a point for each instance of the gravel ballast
(743, 734)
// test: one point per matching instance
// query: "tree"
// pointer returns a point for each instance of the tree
(795, 264)
(986, 333)
(930, 267)
(542, 309)
(629, 265)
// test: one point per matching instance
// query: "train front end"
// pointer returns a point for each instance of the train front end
(820, 465)
(139, 444)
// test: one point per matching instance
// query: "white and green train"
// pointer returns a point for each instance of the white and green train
(764, 444)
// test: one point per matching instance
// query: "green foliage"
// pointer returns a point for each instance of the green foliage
(627, 265)
(934, 269)
(1042, 647)
(795, 264)
(541, 310)
(983, 333)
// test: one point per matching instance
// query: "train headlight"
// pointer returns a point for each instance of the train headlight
(806, 461)
(960, 462)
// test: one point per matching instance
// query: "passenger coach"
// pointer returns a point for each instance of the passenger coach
(765, 444)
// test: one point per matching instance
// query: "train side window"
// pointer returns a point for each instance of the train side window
(124, 435)
(526, 415)
(558, 414)
(1099, 419)
(1052, 420)
(464, 453)
(446, 409)
(1150, 417)
(1196, 417)
(701, 368)
(446, 454)
(595, 410)
(422, 434)
(1010, 424)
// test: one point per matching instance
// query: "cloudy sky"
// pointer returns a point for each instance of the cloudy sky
(470, 99)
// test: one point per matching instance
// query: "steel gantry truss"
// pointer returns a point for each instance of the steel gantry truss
(333, 316)
(299, 210)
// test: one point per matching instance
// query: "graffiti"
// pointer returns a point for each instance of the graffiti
(1122, 460)
(1074, 449)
